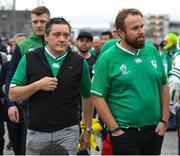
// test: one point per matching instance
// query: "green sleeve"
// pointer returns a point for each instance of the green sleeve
(163, 73)
(85, 84)
(20, 76)
(101, 80)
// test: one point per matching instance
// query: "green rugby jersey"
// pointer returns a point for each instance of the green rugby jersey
(31, 43)
(131, 84)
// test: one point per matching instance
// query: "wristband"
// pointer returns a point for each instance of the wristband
(90, 130)
(115, 129)
(164, 122)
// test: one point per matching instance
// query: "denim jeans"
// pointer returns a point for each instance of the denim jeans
(67, 137)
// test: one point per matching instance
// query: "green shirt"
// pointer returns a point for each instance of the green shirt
(131, 85)
(167, 57)
(20, 76)
(31, 43)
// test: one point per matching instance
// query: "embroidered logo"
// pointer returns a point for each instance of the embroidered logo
(31, 49)
(55, 65)
(138, 60)
(124, 69)
(154, 63)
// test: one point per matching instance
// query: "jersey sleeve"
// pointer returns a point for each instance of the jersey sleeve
(85, 84)
(101, 80)
(174, 89)
(20, 76)
(162, 69)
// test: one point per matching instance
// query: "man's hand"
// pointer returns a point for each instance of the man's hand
(47, 83)
(13, 114)
(161, 128)
(85, 139)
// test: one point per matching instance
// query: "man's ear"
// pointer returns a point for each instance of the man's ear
(120, 33)
(45, 37)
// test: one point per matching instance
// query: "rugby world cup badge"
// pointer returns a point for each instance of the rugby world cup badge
(154, 63)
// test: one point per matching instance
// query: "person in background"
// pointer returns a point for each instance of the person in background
(84, 44)
(52, 90)
(168, 55)
(12, 126)
(3, 108)
(18, 111)
(96, 45)
(105, 36)
(17, 38)
(114, 32)
(119, 96)
(2, 46)
(174, 85)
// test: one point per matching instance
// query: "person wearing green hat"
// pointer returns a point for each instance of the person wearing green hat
(169, 53)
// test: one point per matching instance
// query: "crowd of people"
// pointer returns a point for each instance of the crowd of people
(48, 85)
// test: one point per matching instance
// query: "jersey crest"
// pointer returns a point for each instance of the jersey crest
(154, 63)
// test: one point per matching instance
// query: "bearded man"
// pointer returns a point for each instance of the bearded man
(130, 90)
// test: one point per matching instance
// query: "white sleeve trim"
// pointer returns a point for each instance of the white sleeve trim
(96, 93)
(12, 85)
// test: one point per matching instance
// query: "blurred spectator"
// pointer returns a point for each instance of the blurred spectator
(3, 110)
(17, 38)
(2, 46)
(84, 43)
(114, 33)
(96, 44)
(174, 85)
(169, 53)
(161, 46)
(105, 36)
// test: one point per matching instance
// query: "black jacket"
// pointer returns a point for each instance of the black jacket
(54, 110)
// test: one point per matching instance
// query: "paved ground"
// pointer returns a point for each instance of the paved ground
(170, 144)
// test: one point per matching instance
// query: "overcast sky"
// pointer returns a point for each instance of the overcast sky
(101, 12)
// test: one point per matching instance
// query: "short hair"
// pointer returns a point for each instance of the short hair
(20, 34)
(57, 20)
(54, 149)
(106, 33)
(122, 15)
(40, 10)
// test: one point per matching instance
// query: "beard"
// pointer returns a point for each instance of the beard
(137, 43)
(84, 50)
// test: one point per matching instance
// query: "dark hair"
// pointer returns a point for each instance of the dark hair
(40, 10)
(54, 149)
(57, 20)
(106, 33)
(122, 15)
(85, 34)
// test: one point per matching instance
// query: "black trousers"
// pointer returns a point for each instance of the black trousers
(3, 117)
(135, 141)
(2, 141)
(17, 134)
